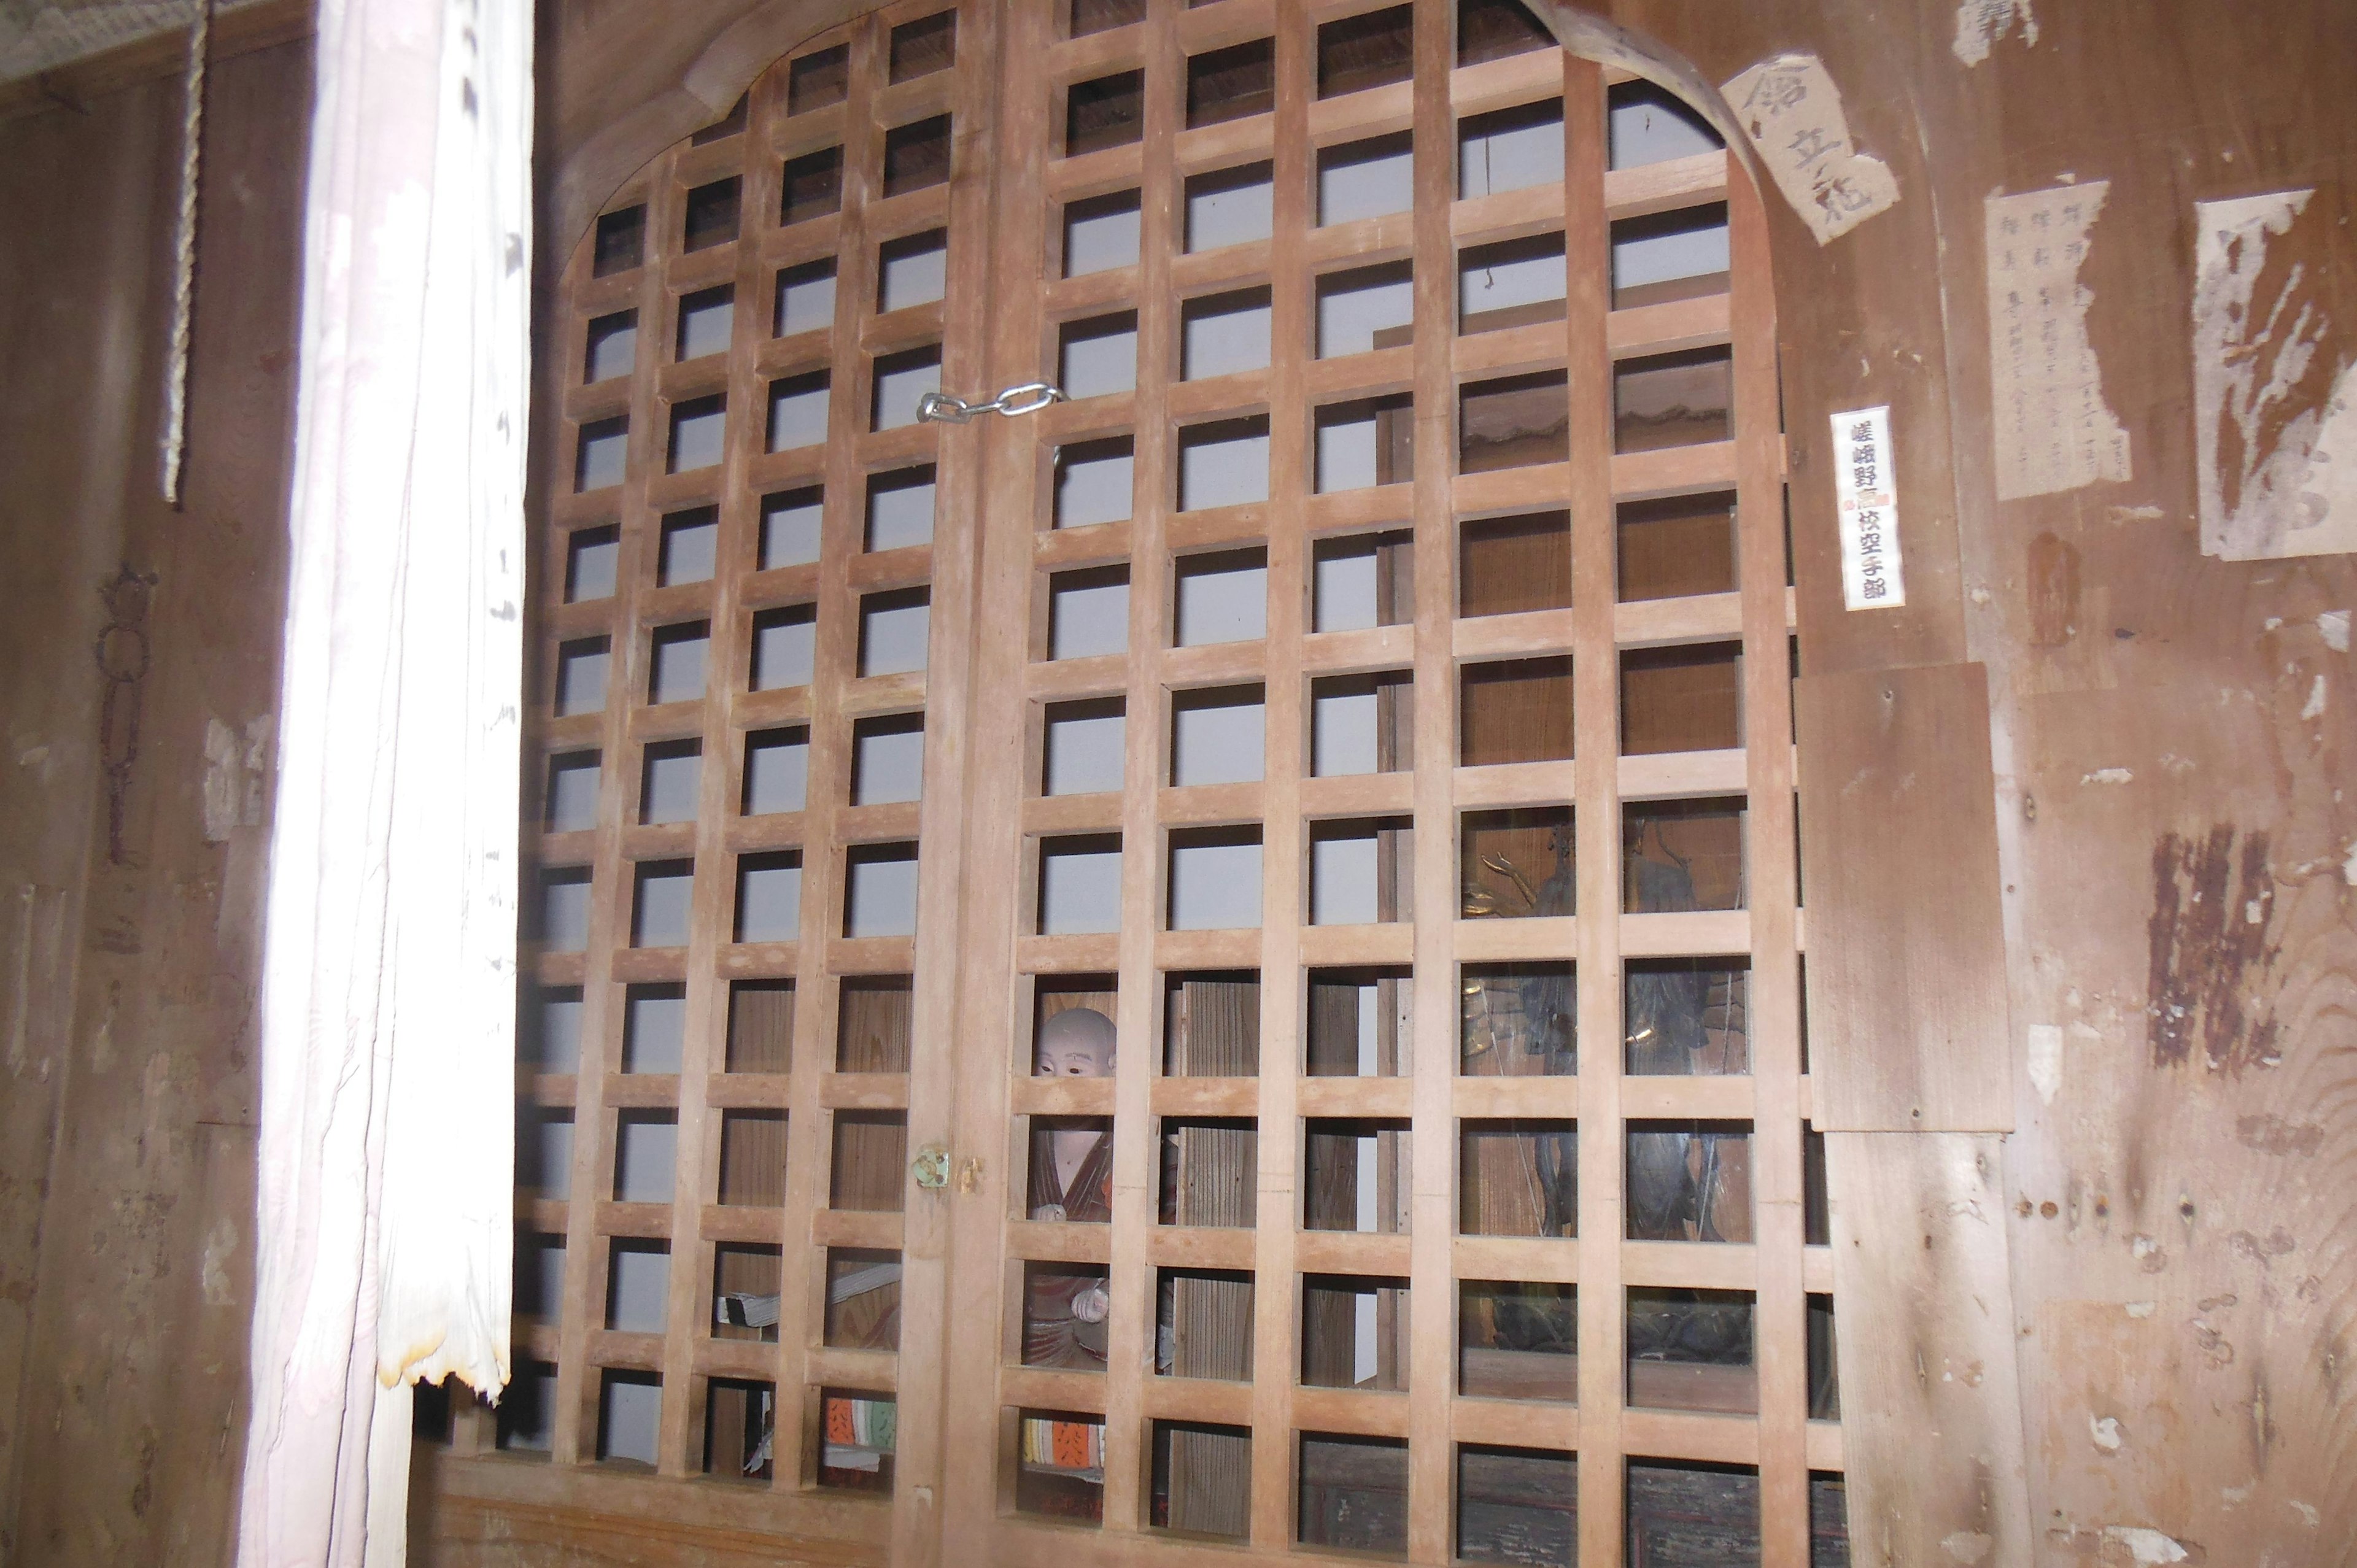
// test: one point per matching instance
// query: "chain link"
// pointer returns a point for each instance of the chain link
(942, 408)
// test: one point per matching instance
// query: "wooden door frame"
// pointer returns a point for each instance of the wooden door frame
(1827, 298)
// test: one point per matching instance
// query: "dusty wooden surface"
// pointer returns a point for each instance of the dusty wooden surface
(1907, 1000)
(126, 1113)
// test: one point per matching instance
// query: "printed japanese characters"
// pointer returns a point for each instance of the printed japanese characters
(2052, 429)
(1865, 488)
(1792, 111)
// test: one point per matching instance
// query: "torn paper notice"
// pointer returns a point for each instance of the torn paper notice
(1865, 486)
(1791, 112)
(2275, 406)
(1981, 23)
(2052, 428)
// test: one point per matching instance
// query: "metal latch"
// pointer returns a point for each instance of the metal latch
(941, 408)
(931, 1168)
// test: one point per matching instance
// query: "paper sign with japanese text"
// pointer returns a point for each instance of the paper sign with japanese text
(1866, 488)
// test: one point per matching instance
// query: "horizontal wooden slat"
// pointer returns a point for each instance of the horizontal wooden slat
(1537, 1259)
(1687, 1099)
(1669, 183)
(1200, 1247)
(1672, 470)
(1061, 1241)
(1512, 941)
(1679, 1434)
(1357, 652)
(1043, 1388)
(1672, 326)
(1672, 775)
(1350, 1252)
(743, 1223)
(1514, 1423)
(863, 1090)
(1358, 795)
(1355, 1097)
(1512, 636)
(1391, 944)
(1198, 1400)
(1060, 1097)
(1206, 1096)
(1488, 1098)
(1696, 1265)
(878, 1229)
(876, 1371)
(1696, 933)
(1350, 1413)
(1661, 623)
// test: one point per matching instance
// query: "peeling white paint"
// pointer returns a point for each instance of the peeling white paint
(2139, 1308)
(2143, 1247)
(2237, 1494)
(222, 788)
(220, 1241)
(1791, 113)
(2308, 1513)
(2105, 1432)
(2333, 627)
(2181, 765)
(2045, 1061)
(2137, 514)
(235, 770)
(1968, 1545)
(1980, 24)
(2277, 467)
(2314, 707)
(2349, 865)
(2146, 1546)
(2052, 429)
(2106, 776)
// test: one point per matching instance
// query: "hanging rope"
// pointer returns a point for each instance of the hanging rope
(184, 254)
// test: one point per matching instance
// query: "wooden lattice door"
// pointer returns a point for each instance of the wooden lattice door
(1302, 829)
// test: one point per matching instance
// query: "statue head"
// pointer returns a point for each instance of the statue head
(1075, 1043)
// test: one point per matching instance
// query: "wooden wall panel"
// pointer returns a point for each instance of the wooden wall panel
(1906, 985)
(132, 868)
(1919, 1239)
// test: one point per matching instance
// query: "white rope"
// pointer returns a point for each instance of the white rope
(184, 255)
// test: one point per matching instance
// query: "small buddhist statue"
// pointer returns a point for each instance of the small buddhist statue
(1072, 1179)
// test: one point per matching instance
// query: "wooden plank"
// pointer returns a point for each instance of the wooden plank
(1596, 708)
(1920, 1253)
(1283, 855)
(1907, 1002)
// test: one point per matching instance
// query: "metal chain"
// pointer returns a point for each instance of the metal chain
(941, 408)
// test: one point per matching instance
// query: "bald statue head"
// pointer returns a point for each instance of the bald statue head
(1075, 1043)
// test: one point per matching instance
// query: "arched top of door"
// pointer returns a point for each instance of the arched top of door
(1861, 322)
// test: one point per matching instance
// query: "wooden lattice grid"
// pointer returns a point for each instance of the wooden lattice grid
(970, 1008)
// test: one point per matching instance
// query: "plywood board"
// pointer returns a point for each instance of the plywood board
(1907, 986)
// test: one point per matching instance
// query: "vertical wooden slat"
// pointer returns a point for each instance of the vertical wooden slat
(925, 1293)
(1596, 745)
(810, 1143)
(1780, 1314)
(574, 1435)
(1432, 1221)
(989, 1178)
(703, 1051)
(1282, 849)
